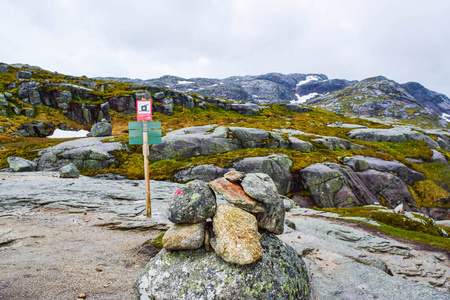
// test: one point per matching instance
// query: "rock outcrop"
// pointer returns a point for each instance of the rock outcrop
(198, 274)
(365, 180)
(211, 139)
(86, 153)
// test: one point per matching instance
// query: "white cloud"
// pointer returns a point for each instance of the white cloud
(349, 39)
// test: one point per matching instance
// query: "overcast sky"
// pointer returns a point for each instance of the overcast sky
(351, 39)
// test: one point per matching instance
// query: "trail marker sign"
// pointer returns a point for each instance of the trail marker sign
(144, 110)
(145, 133)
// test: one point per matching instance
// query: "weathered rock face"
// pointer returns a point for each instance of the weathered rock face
(18, 164)
(101, 129)
(197, 274)
(202, 172)
(185, 236)
(234, 194)
(193, 203)
(69, 171)
(236, 235)
(277, 166)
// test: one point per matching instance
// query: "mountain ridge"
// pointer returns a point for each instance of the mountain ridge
(314, 89)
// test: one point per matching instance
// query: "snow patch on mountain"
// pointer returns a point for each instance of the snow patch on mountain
(308, 79)
(446, 117)
(303, 99)
(184, 82)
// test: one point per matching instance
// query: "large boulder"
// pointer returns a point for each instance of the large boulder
(236, 235)
(193, 203)
(18, 164)
(333, 185)
(86, 153)
(197, 274)
(389, 187)
(354, 186)
(69, 171)
(101, 129)
(328, 187)
(277, 166)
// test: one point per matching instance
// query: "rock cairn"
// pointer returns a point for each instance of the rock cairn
(253, 203)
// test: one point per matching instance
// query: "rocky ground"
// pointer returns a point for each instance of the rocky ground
(56, 242)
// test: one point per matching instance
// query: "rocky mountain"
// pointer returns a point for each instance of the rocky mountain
(372, 97)
(259, 89)
(378, 97)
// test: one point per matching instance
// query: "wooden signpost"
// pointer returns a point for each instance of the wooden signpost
(144, 133)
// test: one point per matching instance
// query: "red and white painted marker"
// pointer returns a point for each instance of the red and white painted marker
(144, 110)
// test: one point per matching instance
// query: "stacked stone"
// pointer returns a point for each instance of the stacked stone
(254, 204)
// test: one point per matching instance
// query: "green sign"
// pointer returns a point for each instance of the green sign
(136, 132)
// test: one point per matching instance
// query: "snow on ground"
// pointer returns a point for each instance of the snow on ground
(308, 79)
(64, 134)
(303, 99)
(446, 117)
(184, 82)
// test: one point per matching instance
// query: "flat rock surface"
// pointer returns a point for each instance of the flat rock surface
(123, 200)
(353, 261)
(54, 244)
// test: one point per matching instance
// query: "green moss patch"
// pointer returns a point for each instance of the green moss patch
(398, 225)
